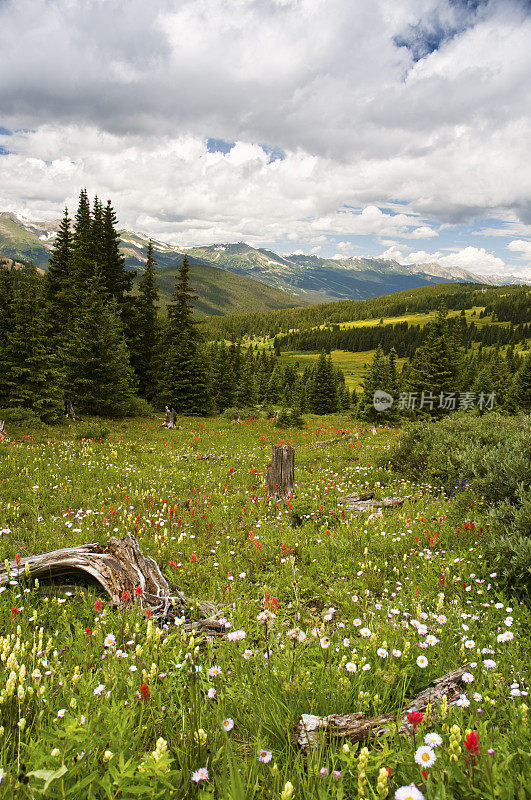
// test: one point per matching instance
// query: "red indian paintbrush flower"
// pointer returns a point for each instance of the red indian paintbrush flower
(98, 605)
(415, 718)
(146, 694)
(471, 743)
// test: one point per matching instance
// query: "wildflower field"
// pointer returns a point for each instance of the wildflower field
(325, 611)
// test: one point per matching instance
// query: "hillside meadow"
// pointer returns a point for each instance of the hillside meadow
(326, 611)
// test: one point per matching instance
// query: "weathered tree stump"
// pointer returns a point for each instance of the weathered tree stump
(120, 569)
(69, 410)
(281, 472)
(3, 431)
(358, 728)
(170, 418)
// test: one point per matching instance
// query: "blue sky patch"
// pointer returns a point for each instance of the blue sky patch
(219, 146)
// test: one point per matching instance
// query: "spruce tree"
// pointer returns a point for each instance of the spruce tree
(436, 365)
(32, 379)
(185, 382)
(57, 283)
(323, 387)
(82, 263)
(521, 390)
(99, 375)
(146, 329)
(118, 281)
(378, 378)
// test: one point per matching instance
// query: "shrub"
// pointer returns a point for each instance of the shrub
(19, 416)
(92, 430)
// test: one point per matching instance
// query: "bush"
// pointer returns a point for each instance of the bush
(92, 430)
(239, 413)
(138, 407)
(490, 457)
(19, 416)
(460, 446)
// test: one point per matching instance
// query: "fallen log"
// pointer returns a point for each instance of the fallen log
(366, 502)
(358, 728)
(121, 570)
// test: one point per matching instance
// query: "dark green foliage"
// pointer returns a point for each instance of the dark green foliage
(436, 366)
(56, 283)
(185, 383)
(99, 377)
(521, 389)
(381, 377)
(146, 329)
(490, 456)
(322, 391)
(29, 373)
(116, 278)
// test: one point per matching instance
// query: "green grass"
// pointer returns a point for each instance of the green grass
(72, 713)
(354, 365)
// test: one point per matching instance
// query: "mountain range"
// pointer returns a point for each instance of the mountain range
(238, 277)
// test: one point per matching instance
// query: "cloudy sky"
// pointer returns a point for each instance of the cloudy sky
(354, 127)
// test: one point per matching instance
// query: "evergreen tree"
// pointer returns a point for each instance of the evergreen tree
(116, 278)
(322, 397)
(57, 284)
(436, 365)
(521, 390)
(378, 378)
(82, 263)
(146, 329)
(32, 379)
(185, 382)
(99, 374)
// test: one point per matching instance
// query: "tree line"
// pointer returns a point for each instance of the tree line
(505, 303)
(403, 336)
(442, 376)
(81, 333)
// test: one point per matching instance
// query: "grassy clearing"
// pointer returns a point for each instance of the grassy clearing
(97, 703)
(354, 365)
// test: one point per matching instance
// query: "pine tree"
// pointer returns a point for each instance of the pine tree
(436, 365)
(32, 379)
(185, 382)
(82, 263)
(146, 329)
(116, 278)
(57, 284)
(378, 378)
(323, 387)
(99, 374)
(521, 393)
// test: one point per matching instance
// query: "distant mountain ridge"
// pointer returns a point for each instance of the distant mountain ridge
(295, 279)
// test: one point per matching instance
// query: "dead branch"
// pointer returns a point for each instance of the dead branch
(121, 570)
(366, 501)
(359, 728)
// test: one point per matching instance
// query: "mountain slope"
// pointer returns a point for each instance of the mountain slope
(316, 279)
(278, 281)
(220, 292)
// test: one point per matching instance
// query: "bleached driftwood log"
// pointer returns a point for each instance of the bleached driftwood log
(358, 728)
(118, 568)
(281, 472)
(366, 502)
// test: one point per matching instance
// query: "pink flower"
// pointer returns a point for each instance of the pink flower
(265, 756)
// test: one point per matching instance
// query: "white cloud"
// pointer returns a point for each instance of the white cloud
(520, 246)
(424, 232)
(473, 259)
(121, 96)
